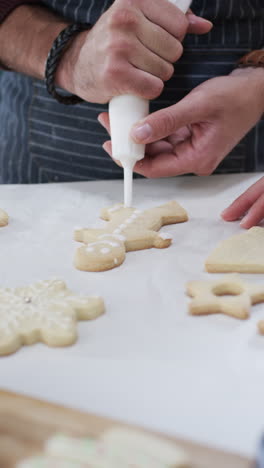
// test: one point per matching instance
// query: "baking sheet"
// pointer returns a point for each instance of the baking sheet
(212, 367)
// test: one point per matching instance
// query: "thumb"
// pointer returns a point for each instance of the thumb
(164, 122)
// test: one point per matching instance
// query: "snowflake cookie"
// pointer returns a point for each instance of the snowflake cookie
(228, 295)
(128, 229)
(46, 311)
(3, 218)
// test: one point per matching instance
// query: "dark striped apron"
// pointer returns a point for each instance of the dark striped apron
(44, 141)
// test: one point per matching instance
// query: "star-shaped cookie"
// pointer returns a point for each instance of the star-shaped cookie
(228, 295)
(46, 311)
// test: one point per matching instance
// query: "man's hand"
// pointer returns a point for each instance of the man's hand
(131, 49)
(250, 205)
(195, 135)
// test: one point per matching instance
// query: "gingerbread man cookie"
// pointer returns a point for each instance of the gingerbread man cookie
(46, 311)
(127, 229)
(228, 295)
(3, 218)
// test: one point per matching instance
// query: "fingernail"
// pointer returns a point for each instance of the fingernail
(207, 21)
(99, 118)
(244, 221)
(141, 133)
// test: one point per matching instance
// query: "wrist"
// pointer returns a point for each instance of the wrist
(64, 77)
(254, 81)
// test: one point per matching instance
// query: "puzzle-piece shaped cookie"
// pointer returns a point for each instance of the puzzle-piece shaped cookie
(46, 311)
(128, 229)
(3, 218)
(228, 295)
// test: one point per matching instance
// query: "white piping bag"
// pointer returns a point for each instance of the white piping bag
(124, 112)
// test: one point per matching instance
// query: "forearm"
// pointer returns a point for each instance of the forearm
(26, 37)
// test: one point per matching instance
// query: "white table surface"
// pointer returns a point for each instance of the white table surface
(146, 361)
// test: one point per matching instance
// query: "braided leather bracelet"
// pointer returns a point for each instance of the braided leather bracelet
(54, 58)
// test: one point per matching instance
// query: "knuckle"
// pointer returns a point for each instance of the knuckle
(124, 16)
(112, 72)
(182, 25)
(167, 72)
(118, 45)
(177, 51)
(153, 89)
(167, 123)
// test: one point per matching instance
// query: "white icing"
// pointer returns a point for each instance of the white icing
(105, 250)
(115, 261)
(106, 239)
(115, 235)
(115, 208)
(35, 307)
(165, 235)
(119, 236)
(91, 247)
(128, 183)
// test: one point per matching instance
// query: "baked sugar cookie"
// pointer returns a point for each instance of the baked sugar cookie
(46, 311)
(3, 218)
(44, 461)
(115, 448)
(242, 253)
(154, 450)
(261, 327)
(127, 229)
(229, 295)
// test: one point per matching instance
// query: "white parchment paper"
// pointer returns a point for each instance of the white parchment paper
(146, 361)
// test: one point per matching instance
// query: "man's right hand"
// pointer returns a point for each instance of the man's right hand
(130, 50)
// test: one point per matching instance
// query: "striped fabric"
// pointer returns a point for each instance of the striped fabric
(44, 141)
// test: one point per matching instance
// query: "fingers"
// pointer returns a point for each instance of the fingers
(104, 120)
(142, 58)
(255, 214)
(166, 15)
(198, 25)
(164, 122)
(249, 201)
(138, 82)
(167, 164)
(160, 42)
(108, 148)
